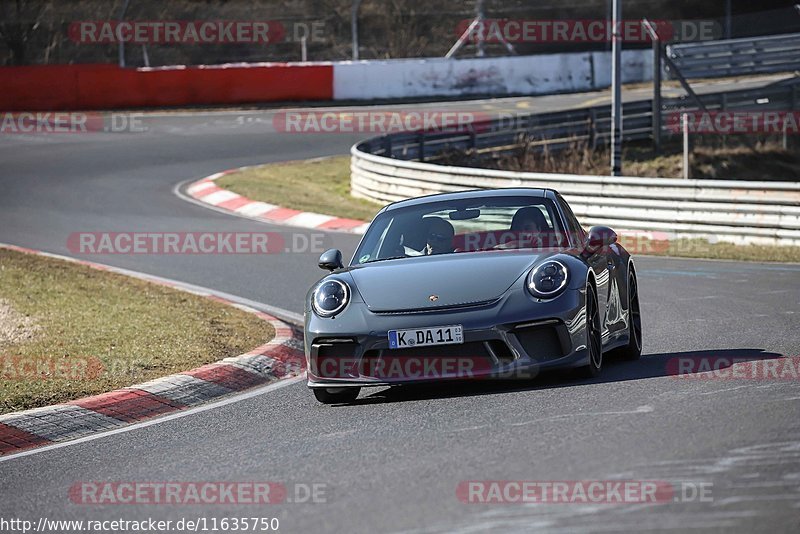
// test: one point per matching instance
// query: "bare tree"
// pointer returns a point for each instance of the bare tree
(19, 19)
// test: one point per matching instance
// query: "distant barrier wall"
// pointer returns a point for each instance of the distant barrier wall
(72, 87)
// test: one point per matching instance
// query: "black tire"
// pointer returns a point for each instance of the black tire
(633, 350)
(594, 340)
(336, 396)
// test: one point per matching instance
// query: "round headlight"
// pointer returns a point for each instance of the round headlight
(548, 279)
(330, 298)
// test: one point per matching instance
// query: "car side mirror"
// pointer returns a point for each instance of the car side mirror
(599, 238)
(331, 260)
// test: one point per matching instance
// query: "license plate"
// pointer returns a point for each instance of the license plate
(425, 337)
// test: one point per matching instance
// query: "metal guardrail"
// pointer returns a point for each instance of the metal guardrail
(734, 57)
(384, 170)
(557, 130)
(741, 212)
(552, 130)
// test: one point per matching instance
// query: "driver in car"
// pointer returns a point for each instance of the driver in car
(529, 227)
(529, 219)
(440, 237)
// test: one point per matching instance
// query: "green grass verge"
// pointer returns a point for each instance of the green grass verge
(97, 331)
(323, 186)
(319, 186)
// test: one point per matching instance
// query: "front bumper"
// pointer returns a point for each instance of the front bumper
(516, 337)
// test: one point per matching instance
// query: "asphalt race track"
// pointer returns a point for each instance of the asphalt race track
(392, 462)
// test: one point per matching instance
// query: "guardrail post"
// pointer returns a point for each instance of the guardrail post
(616, 89)
(792, 107)
(121, 50)
(354, 27)
(723, 105)
(658, 50)
(784, 139)
(685, 128)
(593, 127)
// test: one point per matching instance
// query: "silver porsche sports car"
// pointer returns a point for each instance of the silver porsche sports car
(482, 284)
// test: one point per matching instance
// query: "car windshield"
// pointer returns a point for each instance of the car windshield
(459, 226)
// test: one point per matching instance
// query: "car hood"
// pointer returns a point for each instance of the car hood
(456, 279)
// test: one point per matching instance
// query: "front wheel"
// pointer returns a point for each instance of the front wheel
(336, 396)
(633, 350)
(594, 338)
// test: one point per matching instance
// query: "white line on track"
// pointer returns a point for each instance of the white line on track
(177, 415)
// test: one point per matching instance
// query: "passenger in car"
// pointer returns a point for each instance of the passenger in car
(440, 237)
